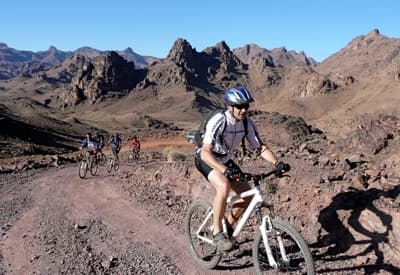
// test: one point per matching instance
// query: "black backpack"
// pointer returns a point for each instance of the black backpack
(196, 137)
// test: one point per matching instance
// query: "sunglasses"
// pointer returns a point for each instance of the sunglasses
(242, 106)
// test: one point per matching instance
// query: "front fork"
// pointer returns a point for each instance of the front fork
(265, 229)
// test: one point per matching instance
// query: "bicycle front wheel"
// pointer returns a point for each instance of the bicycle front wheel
(83, 168)
(198, 233)
(116, 165)
(94, 167)
(294, 257)
(110, 164)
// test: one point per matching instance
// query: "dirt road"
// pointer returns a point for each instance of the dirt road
(55, 222)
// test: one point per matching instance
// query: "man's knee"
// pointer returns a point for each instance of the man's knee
(222, 189)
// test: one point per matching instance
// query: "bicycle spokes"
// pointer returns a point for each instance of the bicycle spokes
(198, 232)
(289, 252)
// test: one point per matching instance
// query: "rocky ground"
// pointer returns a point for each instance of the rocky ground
(345, 204)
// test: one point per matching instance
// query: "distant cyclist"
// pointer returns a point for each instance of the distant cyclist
(135, 144)
(100, 139)
(116, 143)
(90, 143)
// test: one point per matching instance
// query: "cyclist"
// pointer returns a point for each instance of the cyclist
(224, 132)
(90, 143)
(135, 145)
(100, 139)
(116, 145)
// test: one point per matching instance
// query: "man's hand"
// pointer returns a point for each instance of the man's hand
(233, 174)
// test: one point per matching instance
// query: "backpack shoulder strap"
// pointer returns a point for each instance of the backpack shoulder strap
(245, 124)
(246, 131)
(225, 122)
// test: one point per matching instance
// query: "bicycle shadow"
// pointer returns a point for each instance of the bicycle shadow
(238, 259)
(342, 239)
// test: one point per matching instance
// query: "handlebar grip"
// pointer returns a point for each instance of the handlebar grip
(287, 167)
(282, 167)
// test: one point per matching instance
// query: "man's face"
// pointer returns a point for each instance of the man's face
(240, 111)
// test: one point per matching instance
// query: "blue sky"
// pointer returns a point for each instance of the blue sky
(318, 27)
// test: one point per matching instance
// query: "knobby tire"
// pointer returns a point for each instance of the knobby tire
(83, 168)
(297, 250)
(116, 165)
(94, 167)
(204, 253)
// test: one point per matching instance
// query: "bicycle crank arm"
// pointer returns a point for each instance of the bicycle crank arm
(263, 228)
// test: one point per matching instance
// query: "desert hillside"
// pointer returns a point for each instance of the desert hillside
(336, 123)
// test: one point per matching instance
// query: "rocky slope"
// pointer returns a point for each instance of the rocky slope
(342, 195)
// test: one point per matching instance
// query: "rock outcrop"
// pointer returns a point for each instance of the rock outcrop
(98, 77)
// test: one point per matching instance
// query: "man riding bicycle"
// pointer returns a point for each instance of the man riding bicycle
(91, 144)
(100, 140)
(116, 145)
(224, 132)
(135, 144)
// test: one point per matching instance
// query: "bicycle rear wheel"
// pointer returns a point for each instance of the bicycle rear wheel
(202, 251)
(297, 251)
(83, 168)
(130, 157)
(137, 156)
(116, 165)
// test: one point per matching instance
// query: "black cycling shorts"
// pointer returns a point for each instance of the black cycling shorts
(205, 170)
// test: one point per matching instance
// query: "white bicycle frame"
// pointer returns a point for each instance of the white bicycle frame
(265, 226)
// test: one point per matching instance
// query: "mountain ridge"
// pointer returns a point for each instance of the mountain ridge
(192, 82)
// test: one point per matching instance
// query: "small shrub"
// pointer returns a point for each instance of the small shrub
(173, 155)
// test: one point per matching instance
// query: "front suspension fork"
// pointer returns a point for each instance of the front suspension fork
(264, 230)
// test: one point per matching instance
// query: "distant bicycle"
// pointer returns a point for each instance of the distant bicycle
(134, 156)
(88, 163)
(112, 163)
(277, 246)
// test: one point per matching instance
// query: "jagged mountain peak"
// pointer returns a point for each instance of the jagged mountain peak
(363, 40)
(277, 56)
(52, 49)
(222, 46)
(253, 48)
(128, 50)
(373, 33)
(3, 46)
(373, 52)
(280, 49)
(181, 50)
(219, 49)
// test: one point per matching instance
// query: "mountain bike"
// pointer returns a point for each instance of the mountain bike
(112, 163)
(88, 163)
(277, 245)
(134, 155)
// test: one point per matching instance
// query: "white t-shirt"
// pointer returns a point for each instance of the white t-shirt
(225, 141)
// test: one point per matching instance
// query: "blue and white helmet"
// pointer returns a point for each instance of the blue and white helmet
(237, 96)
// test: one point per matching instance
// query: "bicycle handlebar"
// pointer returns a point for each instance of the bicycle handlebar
(257, 177)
